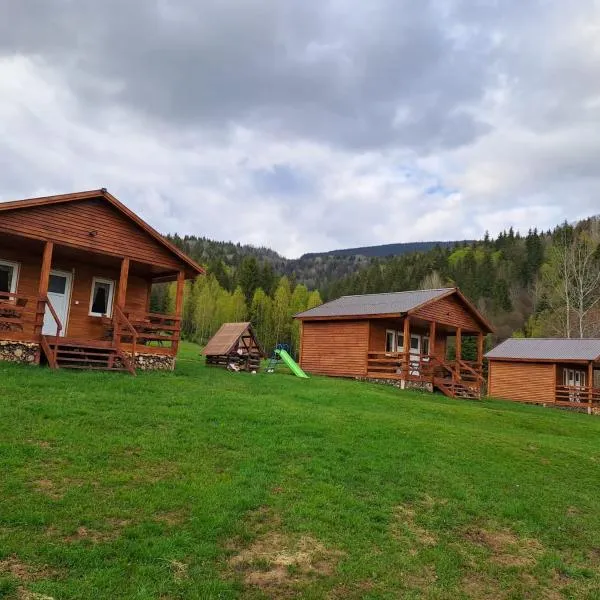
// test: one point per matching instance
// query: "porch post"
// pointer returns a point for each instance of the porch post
(122, 293)
(179, 307)
(43, 286)
(432, 334)
(406, 347)
(458, 343)
(480, 343)
(590, 386)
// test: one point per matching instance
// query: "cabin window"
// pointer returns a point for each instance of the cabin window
(425, 345)
(102, 297)
(9, 272)
(415, 342)
(390, 341)
(400, 338)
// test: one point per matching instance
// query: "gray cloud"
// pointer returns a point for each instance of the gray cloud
(311, 125)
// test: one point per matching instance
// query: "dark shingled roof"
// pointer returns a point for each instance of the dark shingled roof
(547, 349)
(374, 304)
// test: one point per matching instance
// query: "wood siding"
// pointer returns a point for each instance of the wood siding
(73, 223)
(335, 348)
(524, 382)
(80, 325)
(449, 311)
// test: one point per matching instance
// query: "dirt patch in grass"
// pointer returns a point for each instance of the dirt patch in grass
(507, 549)
(48, 488)
(24, 572)
(179, 570)
(24, 594)
(405, 521)
(171, 518)
(279, 563)
(111, 533)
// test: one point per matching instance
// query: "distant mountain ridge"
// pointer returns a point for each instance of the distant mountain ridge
(385, 249)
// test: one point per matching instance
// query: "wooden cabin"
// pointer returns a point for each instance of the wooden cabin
(234, 346)
(76, 272)
(399, 337)
(561, 372)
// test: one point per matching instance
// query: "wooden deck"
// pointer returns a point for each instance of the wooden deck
(457, 378)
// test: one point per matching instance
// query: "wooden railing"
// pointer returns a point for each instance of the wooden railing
(154, 328)
(583, 396)
(428, 368)
(17, 312)
(122, 327)
(51, 353)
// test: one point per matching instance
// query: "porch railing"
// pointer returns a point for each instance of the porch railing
(17, 312)
(425, 367)
(578, 396)
(51, 353)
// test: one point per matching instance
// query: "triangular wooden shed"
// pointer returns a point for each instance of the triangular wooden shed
(234, 344)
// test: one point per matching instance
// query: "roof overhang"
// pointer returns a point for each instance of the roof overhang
(191, 268)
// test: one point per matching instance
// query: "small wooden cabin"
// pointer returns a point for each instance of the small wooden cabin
(562, 372)
(234, 345)
(76, 271)
(401, 337)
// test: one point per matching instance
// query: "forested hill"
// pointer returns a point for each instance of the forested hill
(541, 283)
(384, 250)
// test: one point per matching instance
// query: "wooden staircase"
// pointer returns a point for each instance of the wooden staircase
(64, 353)
(457, 380)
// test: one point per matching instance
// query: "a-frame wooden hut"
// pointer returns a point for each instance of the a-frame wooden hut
(234, 346)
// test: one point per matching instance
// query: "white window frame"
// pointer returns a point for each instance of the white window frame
(400, 341)
(14, 284)
(394, 341)
(109, 303)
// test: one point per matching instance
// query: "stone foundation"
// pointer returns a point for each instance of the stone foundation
(400, 384)
(152, 362)
(20, 352)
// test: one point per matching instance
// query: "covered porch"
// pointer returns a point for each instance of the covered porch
(418, 351)
(82, 308)
(578, 385)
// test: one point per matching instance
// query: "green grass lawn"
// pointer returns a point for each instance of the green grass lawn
(208, 484)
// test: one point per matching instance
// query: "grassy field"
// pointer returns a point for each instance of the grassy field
(207, 484)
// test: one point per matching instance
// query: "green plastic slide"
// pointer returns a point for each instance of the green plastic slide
(291, 363)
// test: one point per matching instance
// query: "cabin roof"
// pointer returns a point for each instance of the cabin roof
(546, 349)
(110, 199)
(226, 339)
(374, 304)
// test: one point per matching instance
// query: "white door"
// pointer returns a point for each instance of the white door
(59, 293)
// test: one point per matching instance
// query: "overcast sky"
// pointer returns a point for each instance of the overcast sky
(307, 125)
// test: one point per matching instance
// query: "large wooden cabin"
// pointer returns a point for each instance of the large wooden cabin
(400, 337)
(552, 371)
(76, 272)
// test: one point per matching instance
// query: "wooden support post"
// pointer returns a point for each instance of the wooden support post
(480, 344)
(43, 286)
(432, 334)
(122, 293)
(406, 347)
(590, 383)
(179, 307)
(458, 344)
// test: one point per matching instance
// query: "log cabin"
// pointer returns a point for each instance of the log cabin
(400, 338)
(76, 272)
(551, 371)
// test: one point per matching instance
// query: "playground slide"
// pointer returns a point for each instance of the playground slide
(291, 363)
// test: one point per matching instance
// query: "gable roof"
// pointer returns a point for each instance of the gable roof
(546, 349)
(226, 339)
(390, 304)
(111, 200)
(374, 304)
